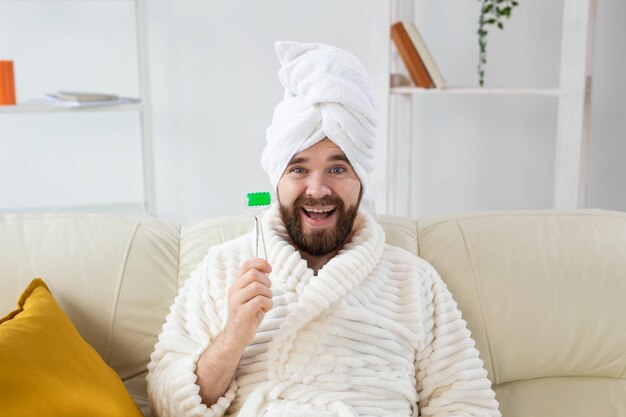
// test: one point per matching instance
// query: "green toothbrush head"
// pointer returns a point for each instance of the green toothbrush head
(259, 199)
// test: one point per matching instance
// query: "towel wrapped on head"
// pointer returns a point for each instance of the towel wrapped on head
(327, 95)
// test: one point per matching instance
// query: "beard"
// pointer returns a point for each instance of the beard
(323, 241)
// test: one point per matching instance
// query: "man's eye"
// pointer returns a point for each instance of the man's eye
(338, 170)
(297, 170)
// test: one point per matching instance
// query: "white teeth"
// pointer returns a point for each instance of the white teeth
(319, 211)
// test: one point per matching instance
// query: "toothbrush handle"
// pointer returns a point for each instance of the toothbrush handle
(262, 237)
(256, 230)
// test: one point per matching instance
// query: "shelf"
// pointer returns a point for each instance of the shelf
(74, 0)
(41, 108)
(140, 105)
(476, 91)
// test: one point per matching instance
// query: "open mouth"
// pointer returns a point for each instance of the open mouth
(318, 213)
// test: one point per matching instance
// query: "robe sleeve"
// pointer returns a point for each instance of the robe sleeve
(192, 324)
(451, 379)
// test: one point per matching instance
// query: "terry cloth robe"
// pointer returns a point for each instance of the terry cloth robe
(375, 333)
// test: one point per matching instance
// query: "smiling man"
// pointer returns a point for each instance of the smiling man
(335, 322)
(319, 196)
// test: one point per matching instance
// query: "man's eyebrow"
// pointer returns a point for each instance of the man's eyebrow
(339, 157)
(298, 160)
(302, 159)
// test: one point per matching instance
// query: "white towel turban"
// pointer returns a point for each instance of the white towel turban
(327, 94)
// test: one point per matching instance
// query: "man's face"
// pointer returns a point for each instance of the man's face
(319, 195)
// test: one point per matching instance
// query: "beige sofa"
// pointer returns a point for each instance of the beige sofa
(544, 292)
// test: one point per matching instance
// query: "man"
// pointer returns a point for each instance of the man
(335, 322)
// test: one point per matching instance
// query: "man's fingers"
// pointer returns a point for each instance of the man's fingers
(260, 315)
(258, 263)
(251, 291)
(250, 296)
(260, 303)
(268, 307)
(252, 275)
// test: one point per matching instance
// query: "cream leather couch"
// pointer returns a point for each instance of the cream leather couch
(543, 292)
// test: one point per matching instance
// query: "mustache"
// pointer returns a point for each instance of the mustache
(327, 200)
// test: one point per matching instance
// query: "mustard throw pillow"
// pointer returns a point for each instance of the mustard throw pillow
(47, 369)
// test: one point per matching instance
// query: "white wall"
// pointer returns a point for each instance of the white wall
(486, 153)
(215, 85)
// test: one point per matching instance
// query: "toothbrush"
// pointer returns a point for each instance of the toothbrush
(259, 201)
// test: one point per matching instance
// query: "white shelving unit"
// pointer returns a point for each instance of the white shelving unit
(475, 91)
(574, 100)
(40, 108)
(144, 109)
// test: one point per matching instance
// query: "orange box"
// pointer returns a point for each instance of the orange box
(7, 83)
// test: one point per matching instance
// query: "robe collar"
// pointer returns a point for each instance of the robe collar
(312, 295)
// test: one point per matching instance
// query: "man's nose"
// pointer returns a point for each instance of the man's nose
(317, 187)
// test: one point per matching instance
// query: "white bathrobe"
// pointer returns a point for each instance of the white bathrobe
(375, 333)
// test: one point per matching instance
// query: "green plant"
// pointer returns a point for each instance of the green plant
(492, 12)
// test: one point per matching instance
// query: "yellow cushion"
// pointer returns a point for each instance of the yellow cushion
(47, 369)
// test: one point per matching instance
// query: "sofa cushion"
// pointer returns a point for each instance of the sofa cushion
(114, 276)
(47, 369)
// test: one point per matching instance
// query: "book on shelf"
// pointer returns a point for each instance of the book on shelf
(79, 99)
(82, 96)
(424, 53)
(414, 64)
(7, 84)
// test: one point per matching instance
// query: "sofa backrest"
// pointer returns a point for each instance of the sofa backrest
(541, 291)
(114, 276)
(544, 293)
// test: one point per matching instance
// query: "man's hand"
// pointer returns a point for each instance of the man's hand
(249, 298)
